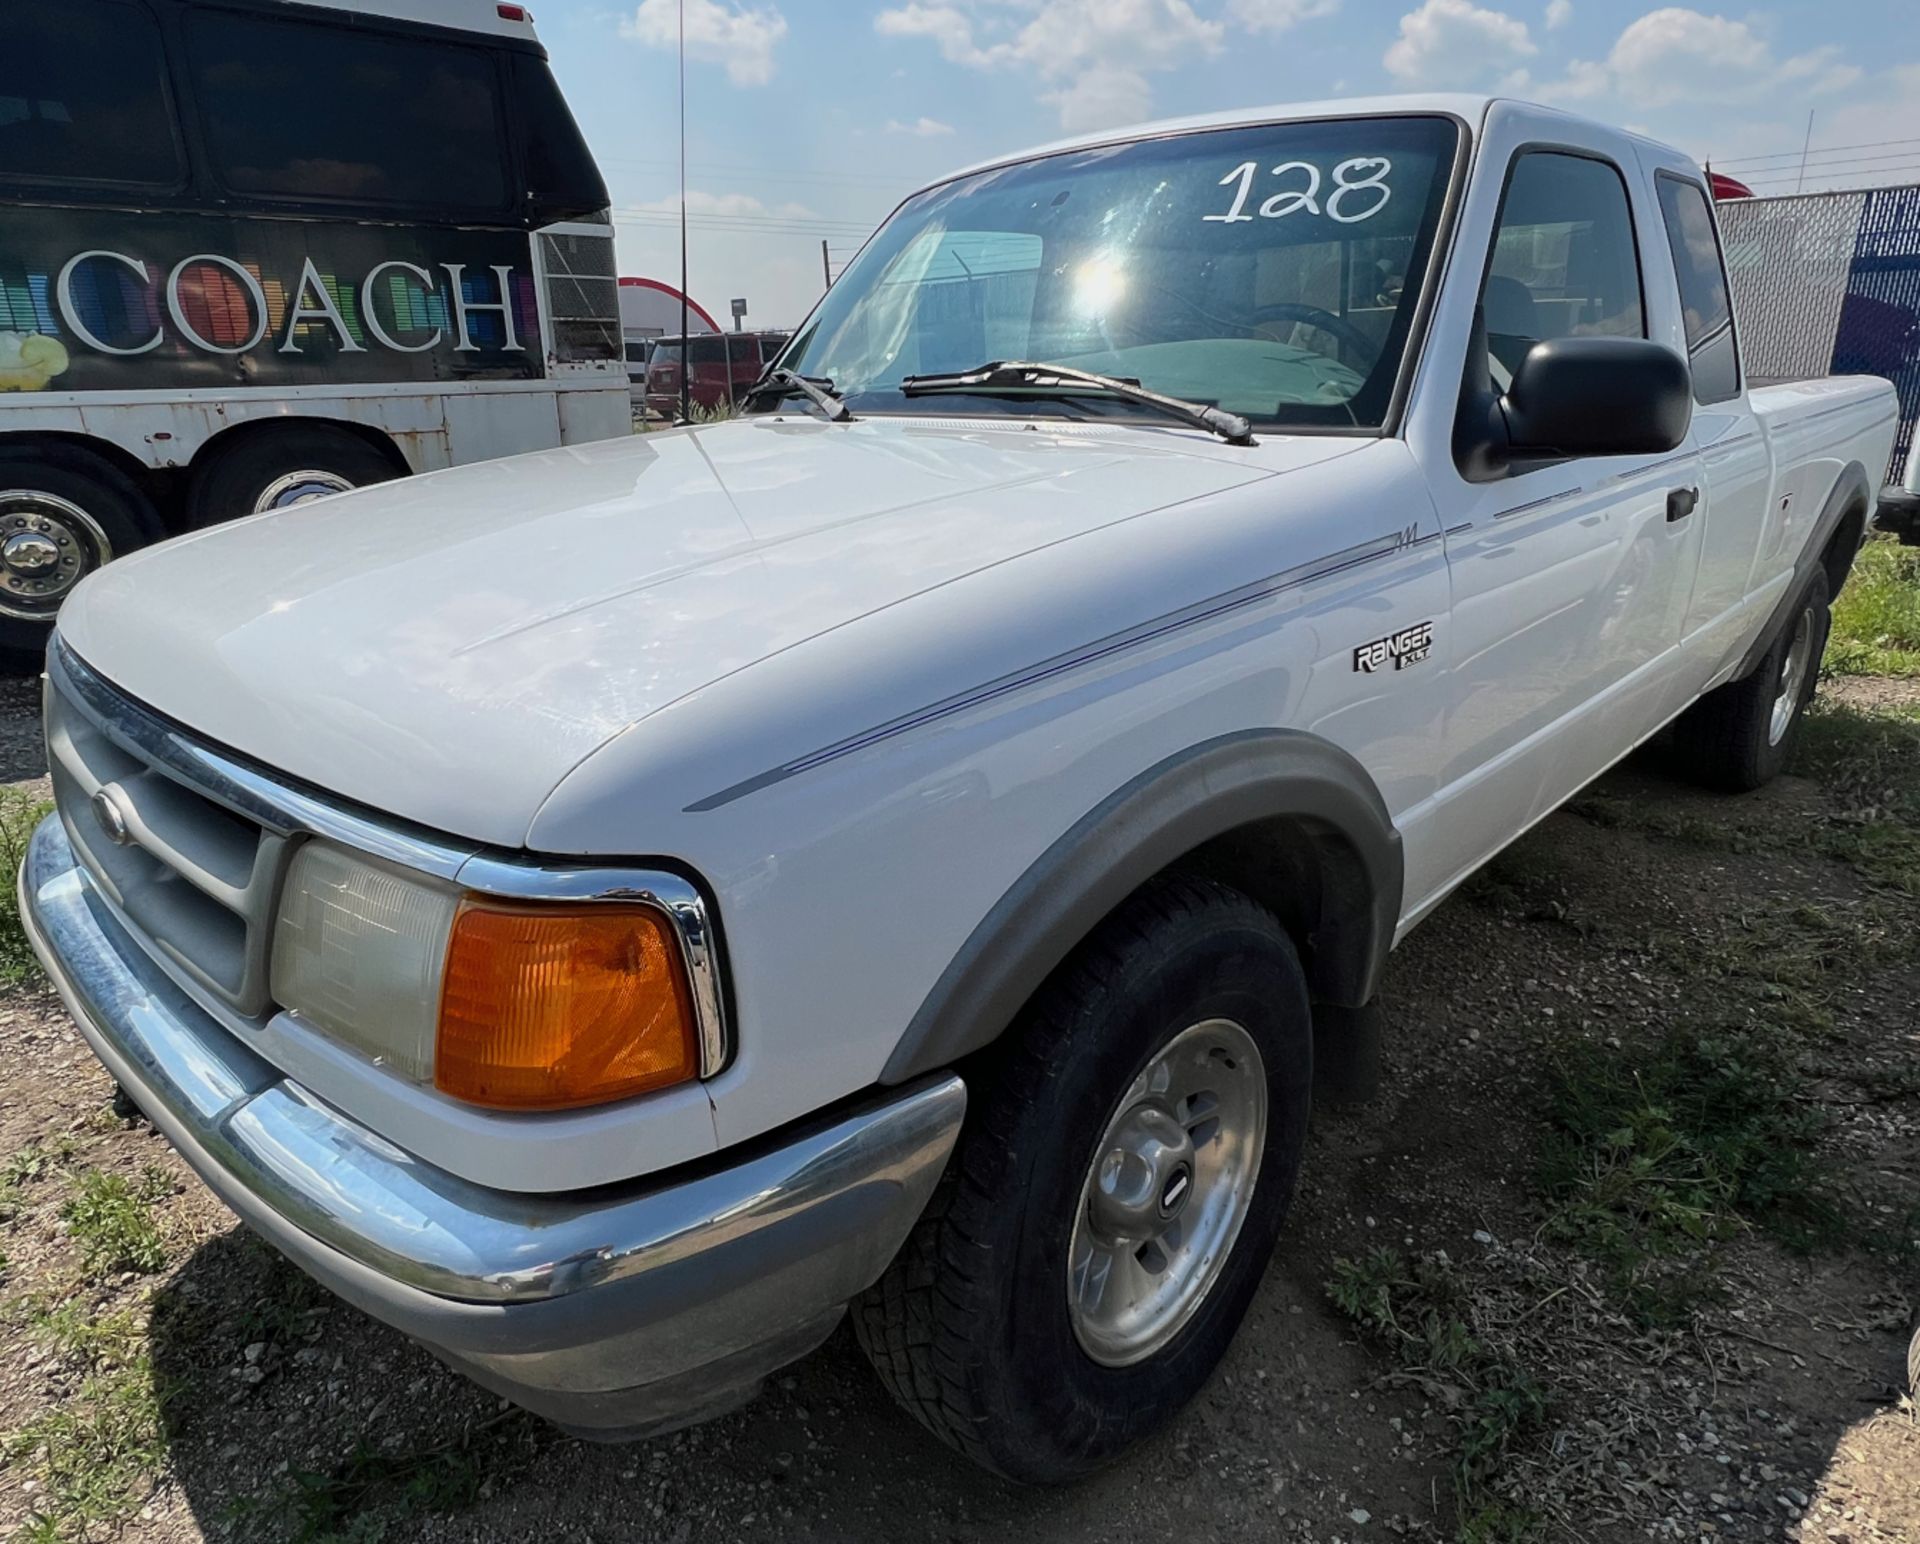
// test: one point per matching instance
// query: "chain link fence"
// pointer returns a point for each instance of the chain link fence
(1829, 284)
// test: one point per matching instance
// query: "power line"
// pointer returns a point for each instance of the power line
(1794, 155)
(1828, 173)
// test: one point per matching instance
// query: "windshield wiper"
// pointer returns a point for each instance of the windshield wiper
(1028, 374)
(818, 391)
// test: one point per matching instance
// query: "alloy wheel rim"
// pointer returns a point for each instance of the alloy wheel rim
(1167, 1191)
(299, 488)
(47, 545)
(1793, 679)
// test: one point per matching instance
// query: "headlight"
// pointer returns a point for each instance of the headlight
(514, 1005)
(357, 952)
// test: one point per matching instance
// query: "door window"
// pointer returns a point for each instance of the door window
(1564, 262)
(1702, 276)
(83, 96)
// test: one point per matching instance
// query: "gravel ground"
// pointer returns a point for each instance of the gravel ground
(1772, 1408)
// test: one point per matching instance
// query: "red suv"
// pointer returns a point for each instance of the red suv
(721, 366)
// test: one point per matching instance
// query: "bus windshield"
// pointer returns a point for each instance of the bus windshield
(1270, 271)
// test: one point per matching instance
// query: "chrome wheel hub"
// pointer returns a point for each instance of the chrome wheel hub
(1793, 679)
(1169, 1186)
(47, 545)
(299, 488)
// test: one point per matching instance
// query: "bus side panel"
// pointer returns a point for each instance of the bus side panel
(96, 300)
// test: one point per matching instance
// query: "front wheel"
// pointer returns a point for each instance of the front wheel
(1112, 1204)
(1738, 737)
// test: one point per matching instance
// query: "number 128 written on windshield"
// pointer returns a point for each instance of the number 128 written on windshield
(1359, 191)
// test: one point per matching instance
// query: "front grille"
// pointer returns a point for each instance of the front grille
(193, 878)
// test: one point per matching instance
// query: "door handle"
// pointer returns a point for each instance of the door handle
(1681, 502)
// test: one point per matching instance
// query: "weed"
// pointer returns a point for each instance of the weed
(30, 1163)
(362, 1496)
(1876, 619)
(1653, 1157)
(112, 1221)
(96, 1453)
(1420, 1310)
(19, 814)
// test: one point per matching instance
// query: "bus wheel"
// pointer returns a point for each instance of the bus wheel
(63, 513)
(263, 472)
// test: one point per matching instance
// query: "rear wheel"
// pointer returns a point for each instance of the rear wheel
(63, 514)
(1739, 736)
(261, 472)
(1112, 1204)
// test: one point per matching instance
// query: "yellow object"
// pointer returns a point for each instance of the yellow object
(551, 1007)
(29, 361)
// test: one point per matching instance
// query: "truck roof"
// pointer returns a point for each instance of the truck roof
(513, 19)
(1470, 107)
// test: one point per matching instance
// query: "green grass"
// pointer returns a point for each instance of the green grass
(1420, 1311)
(97, 1454)
(1654, 1156)
(111, 1221)
(19, 814)
(1876, 620)
(31, 1163)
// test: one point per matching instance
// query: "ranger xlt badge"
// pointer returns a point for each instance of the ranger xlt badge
(1407, 647)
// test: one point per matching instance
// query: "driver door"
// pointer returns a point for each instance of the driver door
(1570, 582)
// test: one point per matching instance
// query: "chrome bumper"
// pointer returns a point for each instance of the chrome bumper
(613, 1312)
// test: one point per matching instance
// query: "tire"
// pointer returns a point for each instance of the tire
(1738, 737)
(258, 472)
(63, 513)
(970, 1328)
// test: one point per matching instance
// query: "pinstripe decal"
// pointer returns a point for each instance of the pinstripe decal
(1340, 562)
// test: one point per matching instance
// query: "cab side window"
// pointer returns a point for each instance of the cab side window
(1697, 265)
(1564, 263)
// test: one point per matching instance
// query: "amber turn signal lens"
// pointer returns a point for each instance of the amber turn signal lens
(551, 1007)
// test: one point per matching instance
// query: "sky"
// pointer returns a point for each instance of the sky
(809, 120)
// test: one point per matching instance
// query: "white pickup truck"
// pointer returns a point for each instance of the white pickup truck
(606, 912)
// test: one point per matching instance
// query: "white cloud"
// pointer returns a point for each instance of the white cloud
(1102, 98)
(1456, 43)
(1278, 15)
(1093, 56)
(920, 128)
(738, 36)
(1675, 55)
(1559, 13)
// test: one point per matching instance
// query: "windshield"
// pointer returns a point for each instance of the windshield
(1270, 271)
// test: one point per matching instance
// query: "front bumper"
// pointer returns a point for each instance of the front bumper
(611, 1312)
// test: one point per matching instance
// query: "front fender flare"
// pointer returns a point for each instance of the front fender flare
(1212, 789)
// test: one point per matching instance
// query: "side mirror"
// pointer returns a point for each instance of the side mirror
(1598, 397)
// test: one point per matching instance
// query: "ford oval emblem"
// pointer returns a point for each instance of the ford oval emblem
(112, 818)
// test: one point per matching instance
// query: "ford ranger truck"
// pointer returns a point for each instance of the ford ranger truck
(607, 912)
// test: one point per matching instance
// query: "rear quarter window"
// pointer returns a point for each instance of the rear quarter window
(1712, 350)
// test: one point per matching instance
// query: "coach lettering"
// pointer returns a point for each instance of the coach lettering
(256, 295)
(326, 310)
(462, 306)
(63, 295)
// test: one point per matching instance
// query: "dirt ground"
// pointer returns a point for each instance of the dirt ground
(1770, 1405)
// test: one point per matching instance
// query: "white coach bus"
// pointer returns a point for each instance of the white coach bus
(254, 252)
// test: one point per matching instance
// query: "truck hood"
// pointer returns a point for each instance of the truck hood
(447, 648)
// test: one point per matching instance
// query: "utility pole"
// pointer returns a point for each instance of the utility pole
(686, 354)
(826, 267)
(1805, 146)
